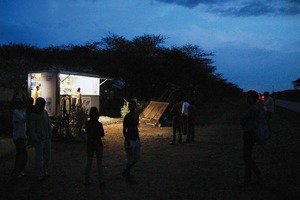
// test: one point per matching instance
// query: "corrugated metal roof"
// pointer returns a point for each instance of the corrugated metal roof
(153, 112)
(70, 73)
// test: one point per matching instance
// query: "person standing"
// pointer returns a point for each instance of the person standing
(248, 120)
(36, 93)
(176, 122)
(78, 99)
(185, 113)
(30, 109)
(40, 132)
(268, 107)
(95, 132)
(191, 124)
(132, 140)
(19, 138)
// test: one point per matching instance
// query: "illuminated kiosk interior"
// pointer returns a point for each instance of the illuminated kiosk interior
(60, 89)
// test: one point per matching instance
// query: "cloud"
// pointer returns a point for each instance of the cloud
(248, 9)
(243, 8)
(259, 8)
(192, 3)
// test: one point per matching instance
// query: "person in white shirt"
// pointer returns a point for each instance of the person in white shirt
(268, 107)
(185, 113)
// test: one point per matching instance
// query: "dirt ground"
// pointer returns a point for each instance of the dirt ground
(210, 168)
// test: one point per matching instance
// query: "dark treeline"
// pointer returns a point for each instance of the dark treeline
(145, 66)
(296, 83)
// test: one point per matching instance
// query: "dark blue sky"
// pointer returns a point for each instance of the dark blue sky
(256, 43)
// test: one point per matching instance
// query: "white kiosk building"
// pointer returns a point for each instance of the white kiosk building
(59, 89)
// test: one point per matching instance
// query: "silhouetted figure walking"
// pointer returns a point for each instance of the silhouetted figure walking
(19, 138)
(191, 124)
(248, 123)
(95, 132)
(40, 131)
(29, 110)
(176, 122)
(132, 140)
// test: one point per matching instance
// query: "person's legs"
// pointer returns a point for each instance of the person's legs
(39, 152)
(188, 137)
(133, 155)
(185, 124)
(99, 154)
(256, 171)
(88, 166)
(250, 164)
(21, 157)
(179, 133)
(247, 156)
(47, 156)
(137, 153)
(174, 125)
(24, 156)
(130, 160)
(268, 118)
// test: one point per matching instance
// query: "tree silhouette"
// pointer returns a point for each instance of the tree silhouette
(144, 64)
(296, 83)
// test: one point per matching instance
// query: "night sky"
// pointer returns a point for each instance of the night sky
(256, 43)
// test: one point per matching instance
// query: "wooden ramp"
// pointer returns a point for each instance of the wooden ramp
(153, 112)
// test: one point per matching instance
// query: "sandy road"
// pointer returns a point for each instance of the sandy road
(294, 106)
